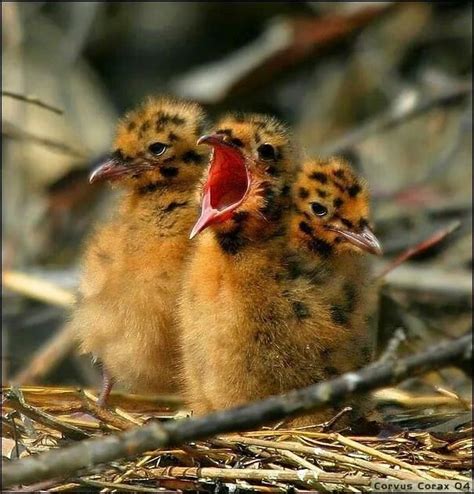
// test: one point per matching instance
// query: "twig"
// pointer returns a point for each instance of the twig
(15, 400)
(380, 454)
(103, 414)
(33, 100)
(52, 397)
(13, 132)
(464, 403)
(404, 399)
(433, 280)
(152, 436)
(393, 345)
(122, 487)
(47, 357)
(336, 458)
(303, 475)
(295, 459)
(285, 42)
(127, 474)
(59, 345)
(426, 244)
(396, 115)
(37, 288)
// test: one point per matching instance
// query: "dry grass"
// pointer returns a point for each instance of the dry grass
(36, 419)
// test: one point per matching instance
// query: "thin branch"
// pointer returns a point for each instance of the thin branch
(13, 132)
(337, 458)
(103, 414)
(381, 455)
(47, 357)
(154, 435)
(390, 352)
(14, 399)
(298, 460)
(426, 244)
(433, 280)
(59, 345)
(37, 288)
(303, 475)
(395, 116)
(33, 100)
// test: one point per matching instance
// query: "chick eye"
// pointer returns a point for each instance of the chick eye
(157, 148)
(318, 209)
(266, 152)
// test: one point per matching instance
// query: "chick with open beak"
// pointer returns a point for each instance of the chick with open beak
(246, 188)
(264, 309)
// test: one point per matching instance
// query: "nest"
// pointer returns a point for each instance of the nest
(36, 419)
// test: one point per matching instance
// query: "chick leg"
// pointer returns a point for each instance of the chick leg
(107, 385)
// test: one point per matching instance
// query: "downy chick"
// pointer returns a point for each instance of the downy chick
(254, 313)
(231, 312)
(125, 316)
(330, 237)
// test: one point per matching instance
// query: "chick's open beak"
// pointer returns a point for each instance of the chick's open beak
(110, 169)
(365, 239)
(227, 183)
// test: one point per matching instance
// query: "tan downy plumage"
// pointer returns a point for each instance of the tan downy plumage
(255, 321)
(126, 313)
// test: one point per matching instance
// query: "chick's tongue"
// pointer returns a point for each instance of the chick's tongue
(225, 188)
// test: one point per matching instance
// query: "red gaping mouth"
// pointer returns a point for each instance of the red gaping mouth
(227, 184)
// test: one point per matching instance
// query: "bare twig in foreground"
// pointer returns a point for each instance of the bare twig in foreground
(33, 100)
(151, 436)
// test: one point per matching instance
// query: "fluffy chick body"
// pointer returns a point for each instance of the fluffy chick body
(133, 264)
(257, 316)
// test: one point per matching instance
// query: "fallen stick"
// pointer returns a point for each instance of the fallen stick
(92, 452)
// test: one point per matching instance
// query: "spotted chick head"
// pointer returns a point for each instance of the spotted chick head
(249, 172)
(332, 209)
(156, 144)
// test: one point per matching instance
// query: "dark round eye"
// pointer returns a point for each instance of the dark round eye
(318, 209)
(157, 148)
(266, 152)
